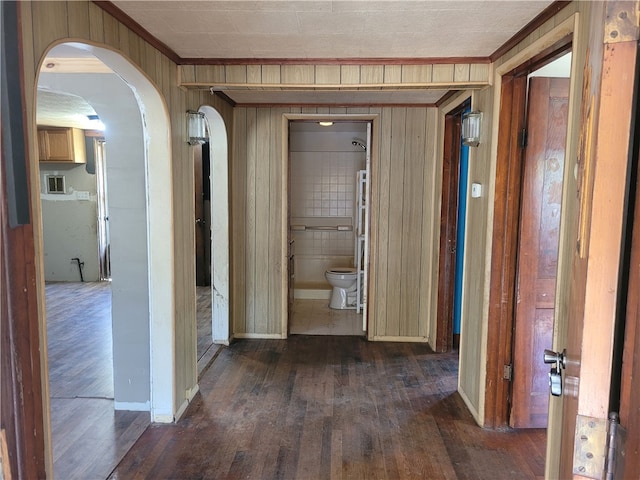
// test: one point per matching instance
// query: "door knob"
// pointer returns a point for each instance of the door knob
(556, 357)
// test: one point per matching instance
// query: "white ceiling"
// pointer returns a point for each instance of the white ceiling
(63, 109)
(333, 29)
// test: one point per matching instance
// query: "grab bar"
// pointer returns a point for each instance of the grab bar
(339, 228)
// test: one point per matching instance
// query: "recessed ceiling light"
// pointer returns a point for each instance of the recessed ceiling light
(325, 124)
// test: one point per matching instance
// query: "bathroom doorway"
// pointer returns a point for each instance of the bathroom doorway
(328, 226)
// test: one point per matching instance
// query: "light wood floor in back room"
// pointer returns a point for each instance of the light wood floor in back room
(314, 317)
(89, 438)
(331, 407)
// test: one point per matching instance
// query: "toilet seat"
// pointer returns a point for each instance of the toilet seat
(342, 270)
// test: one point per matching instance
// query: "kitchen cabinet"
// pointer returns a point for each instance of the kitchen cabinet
(61, 144)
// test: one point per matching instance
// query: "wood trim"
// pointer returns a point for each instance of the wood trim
(504, 248)
(545, 56)
(335, 105)
(446, 97)
(505, 231)
(21, 402)
(630, 390)
(224, 97)
(335, 61)
(529, 28)
(129, 22)
(448, 224)
(392, 338)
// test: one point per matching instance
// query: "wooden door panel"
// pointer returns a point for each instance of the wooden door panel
(602, 174)
(630, 390)
(538, 248)
(545, 293)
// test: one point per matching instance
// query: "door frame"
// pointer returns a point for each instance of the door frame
(511, 121)
(285, 278)
(448, 226)
(220, 242)
(627, 346)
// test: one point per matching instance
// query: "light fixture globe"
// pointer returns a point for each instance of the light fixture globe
(196, 128)
(471, 128)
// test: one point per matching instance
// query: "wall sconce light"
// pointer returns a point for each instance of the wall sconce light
(196, 128)
(471, 123)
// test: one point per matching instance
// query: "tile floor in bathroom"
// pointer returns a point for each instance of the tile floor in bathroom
(314, 317)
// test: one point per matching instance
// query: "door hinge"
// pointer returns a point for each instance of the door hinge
(523, 137)
(614, 466)
(599, 447)
(507, 372)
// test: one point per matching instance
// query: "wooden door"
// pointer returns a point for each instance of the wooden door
(201, 261)
(538, 249)
(605, 125)
(448, 223)
(629, 399)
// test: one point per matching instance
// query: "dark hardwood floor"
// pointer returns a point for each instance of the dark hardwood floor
(89, 437)
(326, 408)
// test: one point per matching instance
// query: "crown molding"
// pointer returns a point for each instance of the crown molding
(529, 28)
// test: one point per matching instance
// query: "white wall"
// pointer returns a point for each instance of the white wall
(118, 109)
(323, 168)
(69, 225)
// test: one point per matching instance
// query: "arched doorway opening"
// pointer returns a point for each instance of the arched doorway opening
(219, 188)
(141, 227)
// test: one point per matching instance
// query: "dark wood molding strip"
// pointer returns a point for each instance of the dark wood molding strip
(445, 97)
(337, 105)
(129, 22)
(224, 97)
(503, 251)
(335, 61)
(545, 15)
(546, 56)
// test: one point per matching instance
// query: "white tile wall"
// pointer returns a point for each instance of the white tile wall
(323, 184)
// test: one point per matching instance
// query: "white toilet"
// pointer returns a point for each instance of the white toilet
(344, 285)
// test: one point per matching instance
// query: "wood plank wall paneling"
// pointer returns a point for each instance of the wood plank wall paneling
(396, 205)
(474, 75)
(251, 241)
(276, 241)
(402, 205)
(47, 23)
(239, 220)
(263, 230)
(430, 227)
(412, 221)
(381, 197)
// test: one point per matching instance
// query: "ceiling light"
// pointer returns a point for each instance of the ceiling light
(96, 123)
(325, 124)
